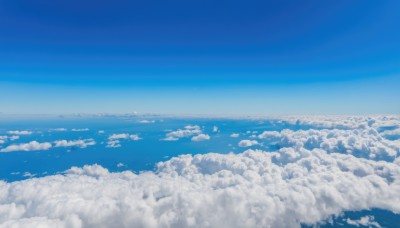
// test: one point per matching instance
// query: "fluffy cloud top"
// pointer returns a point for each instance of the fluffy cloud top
(82, 143)
(19, 132)
(4, 138)
(367, 221)
(31, 146)
(114, 139)
(134, 137)
(366, 142)
(285, 188)
(189, 131)
(201, 137)
(234, 135)
(247, 143)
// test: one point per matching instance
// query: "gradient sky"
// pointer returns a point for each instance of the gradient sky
(200, 57)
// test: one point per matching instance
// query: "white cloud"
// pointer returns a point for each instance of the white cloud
(215, 129)
(113, 144)
(101, 132)
(234, 135)
(118, 136)
(120, 165)
(247, 143)
(367, 221)
(135, 137)
(146, 121)
(19, 132)
(58, 129)
(13, 137)
(114, 140)
(3, 138)
(192, 127)
(82, 143)
(189, 131)
(28, 174)
(269, 134)
(285, 188)
(169, 138)
(80, 129)
(31, 146)
(365, 142)
(201, 137)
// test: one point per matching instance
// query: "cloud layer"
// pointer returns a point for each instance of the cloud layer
(252, 189)
(31, 146)
(309, 176)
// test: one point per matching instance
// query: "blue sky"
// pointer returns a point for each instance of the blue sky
(200, 57)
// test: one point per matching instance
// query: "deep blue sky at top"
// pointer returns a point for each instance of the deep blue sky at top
(267, 57)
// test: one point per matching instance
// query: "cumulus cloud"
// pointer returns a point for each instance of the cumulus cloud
(19, 132)
(188, 131)
(13, 137)
(114, 140)
(113, 144)
(80, 129)
(247, 143)
(31, 146)
(367, 221)
(134, 137)
(285, 188)
(269, 134)
(82, 143)
(234, 135)
(201, 137)
(365, 142)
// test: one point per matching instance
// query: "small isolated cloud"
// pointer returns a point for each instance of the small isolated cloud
(192, 127)
(58, 129)
(82, 143)
(367, 221)
(215, 129)
(101, 132)
(119, 165)
(4, 138)
(19, 132)
(234, 135)
(80, 129)
(134, 137)
(31, 146)
(114, 140)
(28, 174)
(169, 138)
(113, 144)
(146, 121)
(13, 137)
(188, 131)
(201, 137)
(247, 143)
